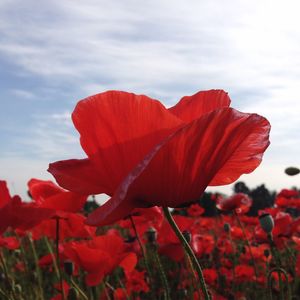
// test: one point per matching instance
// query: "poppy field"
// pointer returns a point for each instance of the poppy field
(160, 235)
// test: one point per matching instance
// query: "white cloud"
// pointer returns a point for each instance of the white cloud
(53, 138)
(163, 49)
(24, 94)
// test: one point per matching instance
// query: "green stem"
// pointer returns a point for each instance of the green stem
(57, 219)
(234, 265)
(248, 244)
(4, 295)
(78, 289)
(49, 247)
(162, 276)
(192, 277)
(142, 248)
(188, 250)
(123, 288)
(279, 271)
(278, 268)
(37, 268)
(105, 291)
(9, 279)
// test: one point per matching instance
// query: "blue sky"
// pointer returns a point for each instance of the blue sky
(53, 53)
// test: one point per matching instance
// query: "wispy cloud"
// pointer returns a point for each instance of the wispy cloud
(23, 94)
(53, 137)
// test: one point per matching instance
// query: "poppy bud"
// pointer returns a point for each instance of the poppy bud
(130, 239)
(227, 227)
(266, 222)
(151, 235)
(244, 250)
(292, 171)
(187, 235)
(266, 253)
(68, 267)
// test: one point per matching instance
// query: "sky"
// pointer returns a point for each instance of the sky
(54, 53)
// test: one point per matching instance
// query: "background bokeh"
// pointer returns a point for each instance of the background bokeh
(53, 53)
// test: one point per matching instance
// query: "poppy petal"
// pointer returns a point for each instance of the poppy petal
(117, 129)
(65, 201)
(128, 262)
(247, 156)
(193, 107)
(4, 194)
(42, 189)
(110, 212)
(178, 170)
(77, 175)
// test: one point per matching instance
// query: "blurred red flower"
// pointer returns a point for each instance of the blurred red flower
(144, 218)
(244, 273)
(240, 203)
(17, 214)
(100, 256)
(143, 154)
(210, 276)
(9, 242)
(72, 225)
(195, 210)
(4, 194)
(46, 194)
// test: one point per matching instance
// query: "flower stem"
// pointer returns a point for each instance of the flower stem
(278, 268)
(188, 250)
(78, 289)
(141, 247)
(249, 246)
(163, 276)
(7, 277)
(37, 268)
(49, 247)
(58, 259)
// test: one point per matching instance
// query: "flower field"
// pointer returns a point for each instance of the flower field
(159, 236)
(140, 257)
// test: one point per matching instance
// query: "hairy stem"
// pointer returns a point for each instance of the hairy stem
(189, 252)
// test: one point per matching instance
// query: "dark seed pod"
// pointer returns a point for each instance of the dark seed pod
(291, 171)
(69, 267)
(266, 222)
(227, 227)
(151, 235)
(266, 253)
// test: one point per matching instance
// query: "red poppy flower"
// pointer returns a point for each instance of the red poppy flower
(244, 273)
(135, 282)
(285, 193)
(18, 214)
(48, 195)
(71, 226)
(4, 194)
(169, 243)
(66, 288)
(9, 242)
(288, 198)
(144, 218)
(240, 203)
(145, 155)
(284, 227)
(195, 210)
(100, 256)
(210, 276)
